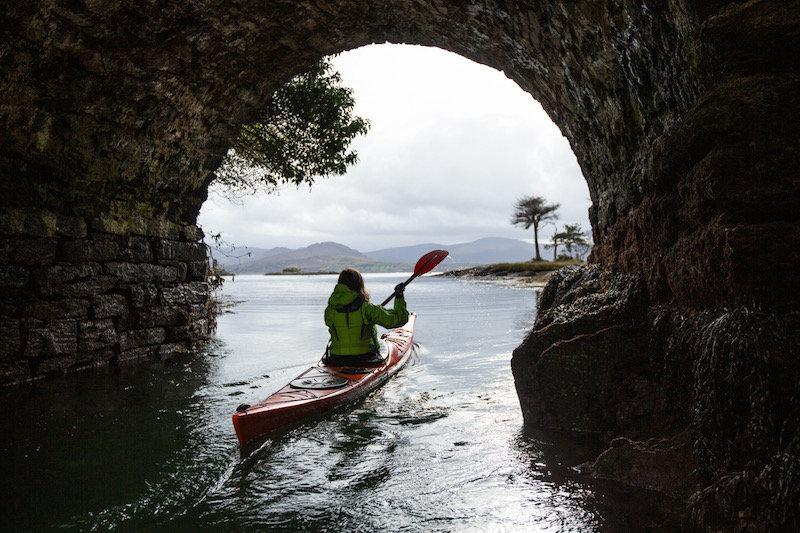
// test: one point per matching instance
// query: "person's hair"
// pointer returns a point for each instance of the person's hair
(353, 280)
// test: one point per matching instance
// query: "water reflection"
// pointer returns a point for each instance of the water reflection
(438, 448)
(97, 440)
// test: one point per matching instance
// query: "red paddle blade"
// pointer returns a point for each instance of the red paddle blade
(429, 261)
(425, 264)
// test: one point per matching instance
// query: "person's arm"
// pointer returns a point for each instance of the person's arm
(388, 318)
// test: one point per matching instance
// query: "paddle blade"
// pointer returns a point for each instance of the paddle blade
(425, 264)
(429, 261)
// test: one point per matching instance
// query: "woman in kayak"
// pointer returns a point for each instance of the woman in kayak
(351, 319)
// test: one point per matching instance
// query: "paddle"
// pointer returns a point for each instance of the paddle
(425, 264)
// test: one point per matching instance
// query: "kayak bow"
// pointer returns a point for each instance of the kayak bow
(322, 388)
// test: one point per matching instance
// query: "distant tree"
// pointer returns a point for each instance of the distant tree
(303, 132)
(532, 211)
(572, 238)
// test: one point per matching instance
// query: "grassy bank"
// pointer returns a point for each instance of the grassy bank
(524, 269)
(532, 266)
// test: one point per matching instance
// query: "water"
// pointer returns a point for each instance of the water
(441, 447)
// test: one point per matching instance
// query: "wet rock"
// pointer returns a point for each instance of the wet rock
(142, 272)
(137, 250)
(14, 277)
(52, 309)
(81, 289)
(58, 337)
(195, 292)
(143, 337)
(160, 316)
(585, 365)
(62, 365)
(136, 354)
(27, 251)
(14, 371)
(10, 340)
(85, 250)
(197, 271)
(168, 351)
(97, 334)
(181, 268)
(181, 251)
(663, 465)
(60, 274)
(109, 305)
(144, 295)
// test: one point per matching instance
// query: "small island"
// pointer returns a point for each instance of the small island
(535, 272)
(294, 271)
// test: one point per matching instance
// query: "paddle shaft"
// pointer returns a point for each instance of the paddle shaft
(425, 264)
(406, 282)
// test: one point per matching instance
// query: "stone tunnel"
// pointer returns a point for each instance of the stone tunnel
(684, 118)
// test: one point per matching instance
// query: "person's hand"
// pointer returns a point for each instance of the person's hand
(398, 291)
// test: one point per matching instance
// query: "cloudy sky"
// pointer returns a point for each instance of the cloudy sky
(452, 146)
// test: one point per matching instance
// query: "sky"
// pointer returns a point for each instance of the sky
(452, 146)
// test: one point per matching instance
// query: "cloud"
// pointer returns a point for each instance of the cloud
(453, 145)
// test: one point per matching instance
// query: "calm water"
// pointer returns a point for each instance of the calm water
(441, 447)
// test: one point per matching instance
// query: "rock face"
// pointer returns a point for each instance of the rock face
(688, 397)
(683, 115)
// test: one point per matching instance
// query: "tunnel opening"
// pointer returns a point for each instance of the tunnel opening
(452, 146)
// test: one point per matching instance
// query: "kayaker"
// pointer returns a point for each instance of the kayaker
(351, 320)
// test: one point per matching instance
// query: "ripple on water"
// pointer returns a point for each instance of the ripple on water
(440, 447)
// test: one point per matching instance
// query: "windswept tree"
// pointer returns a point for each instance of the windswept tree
(532, 211)
(572, 238)
(302, 133)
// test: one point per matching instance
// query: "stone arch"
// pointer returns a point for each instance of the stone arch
(683, 116)
(138, 104)
(150, 105)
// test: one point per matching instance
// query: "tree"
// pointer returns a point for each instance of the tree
(573, 238)
(532, 211)
(303, 132)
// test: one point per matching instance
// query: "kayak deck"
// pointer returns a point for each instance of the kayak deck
(322, 388)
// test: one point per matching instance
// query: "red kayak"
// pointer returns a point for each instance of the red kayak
(322, 388)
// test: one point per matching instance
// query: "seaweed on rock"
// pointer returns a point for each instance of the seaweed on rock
(745, 410)
(735, 408)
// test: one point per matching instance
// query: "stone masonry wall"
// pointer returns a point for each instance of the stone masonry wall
(74, 296)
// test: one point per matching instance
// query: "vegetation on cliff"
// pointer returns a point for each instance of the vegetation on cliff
(736, 371)
(302, 133)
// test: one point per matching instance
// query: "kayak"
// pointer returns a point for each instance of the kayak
(323, 388)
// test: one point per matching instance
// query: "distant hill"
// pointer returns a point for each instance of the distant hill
(481, 252)
(320, 257)
(333, 257)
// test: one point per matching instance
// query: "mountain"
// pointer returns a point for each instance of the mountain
(320, 257)
(481, 252)
(333, 257)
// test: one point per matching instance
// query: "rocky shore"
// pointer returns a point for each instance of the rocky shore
(696, 405)
(532, 274)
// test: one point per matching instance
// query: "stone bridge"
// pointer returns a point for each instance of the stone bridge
(683, 115)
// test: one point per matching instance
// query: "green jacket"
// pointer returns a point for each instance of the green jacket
(352, 321)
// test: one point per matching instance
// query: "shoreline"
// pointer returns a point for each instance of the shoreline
(526, 275)
(514, 274)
